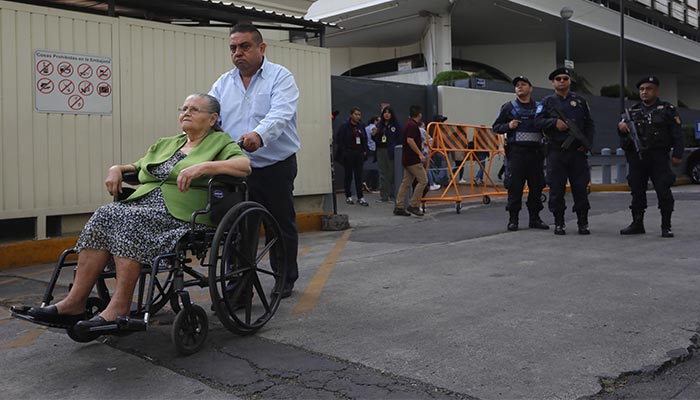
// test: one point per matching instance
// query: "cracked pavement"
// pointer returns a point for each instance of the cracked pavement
(447, 306)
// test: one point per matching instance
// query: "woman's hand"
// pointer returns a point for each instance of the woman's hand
(114, 180)
(187, 175)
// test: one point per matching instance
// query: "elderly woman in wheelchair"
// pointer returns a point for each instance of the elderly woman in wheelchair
(174, 184)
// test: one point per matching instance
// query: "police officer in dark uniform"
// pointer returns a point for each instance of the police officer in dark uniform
(558, 115)
(658, 127)
(524, 154)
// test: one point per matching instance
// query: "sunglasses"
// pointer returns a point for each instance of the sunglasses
(561, 78)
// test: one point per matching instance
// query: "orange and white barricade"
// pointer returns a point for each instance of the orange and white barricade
(454, 140)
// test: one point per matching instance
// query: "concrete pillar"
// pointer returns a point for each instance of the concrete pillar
(606, 166)
(621, 166)
(437, 44)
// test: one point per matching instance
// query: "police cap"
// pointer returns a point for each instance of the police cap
(649, 79)
(560, 71)
(521, 78)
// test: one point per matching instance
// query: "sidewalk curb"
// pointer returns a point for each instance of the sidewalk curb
(46, 251)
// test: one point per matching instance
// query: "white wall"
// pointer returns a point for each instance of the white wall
(471, 106)
(533, 59)
(421, 77)
(346, 58)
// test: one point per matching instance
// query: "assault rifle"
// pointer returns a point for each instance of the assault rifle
(574, 132)
(634, 135)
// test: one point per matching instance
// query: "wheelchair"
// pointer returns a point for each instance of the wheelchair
(245, 276)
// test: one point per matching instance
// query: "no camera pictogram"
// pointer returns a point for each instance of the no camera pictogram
(66, 86)
(44, 67)
(85, 71)
(76, 102)
(104, 89)
(65, 69)
(85, 88)
(44, 85)
(103, 72)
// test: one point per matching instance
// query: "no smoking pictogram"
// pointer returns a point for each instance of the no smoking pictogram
(85, 71)
(76, 102)
(65, 69)
(44, 67)
(66, 86)
(104, 89)
(85, 88)
(103, 72)
(45, 85)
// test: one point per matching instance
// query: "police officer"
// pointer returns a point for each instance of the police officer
(524, 154)
(658, 127)
(558, 115)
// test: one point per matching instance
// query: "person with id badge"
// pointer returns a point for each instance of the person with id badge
(351, 151)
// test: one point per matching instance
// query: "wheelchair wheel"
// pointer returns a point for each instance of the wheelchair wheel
(94, 306)
(246, 274)
(190, 330)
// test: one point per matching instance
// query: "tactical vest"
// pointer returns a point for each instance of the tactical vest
(652, 127)
(525, 133)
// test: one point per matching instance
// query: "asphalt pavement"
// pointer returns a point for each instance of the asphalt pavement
(444, 306)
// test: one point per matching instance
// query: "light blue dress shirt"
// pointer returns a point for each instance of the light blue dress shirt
(268, 107)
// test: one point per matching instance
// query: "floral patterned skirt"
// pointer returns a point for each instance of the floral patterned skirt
(139, 230)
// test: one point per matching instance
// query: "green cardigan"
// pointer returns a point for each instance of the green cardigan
(214, 147)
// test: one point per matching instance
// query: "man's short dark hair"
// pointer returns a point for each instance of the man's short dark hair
(356, 108)
(245, 27)
(414, 111)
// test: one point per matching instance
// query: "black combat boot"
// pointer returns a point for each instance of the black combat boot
(559, 227)
(666, 224)
(582, 221)
(536, 222)
(637, 225)
(513, 221)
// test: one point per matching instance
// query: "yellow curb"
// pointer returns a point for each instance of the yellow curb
(33, 252)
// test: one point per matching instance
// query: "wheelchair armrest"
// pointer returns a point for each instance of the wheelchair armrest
(131, 178)
(225, 191)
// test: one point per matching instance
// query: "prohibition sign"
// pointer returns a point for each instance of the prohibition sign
(103, 72)
(85, 88)
(76, 102)
(103, 89)
(65, 69)
(85, 71)
(44, 67)
(45, 85)
(66, 86)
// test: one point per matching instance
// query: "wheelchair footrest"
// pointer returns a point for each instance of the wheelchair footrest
(21, 314)
(131, 324)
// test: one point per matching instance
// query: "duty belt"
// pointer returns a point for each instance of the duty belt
(527, 137)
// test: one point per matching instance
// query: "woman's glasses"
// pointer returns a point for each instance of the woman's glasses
(192, 110)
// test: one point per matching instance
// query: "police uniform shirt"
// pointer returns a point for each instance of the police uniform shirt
(573, 106)
(508, 113)
(670, 123)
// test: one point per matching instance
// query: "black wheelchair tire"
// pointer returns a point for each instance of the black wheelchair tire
(241, 311)
(190, 330)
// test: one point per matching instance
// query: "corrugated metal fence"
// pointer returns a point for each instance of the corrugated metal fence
(54, 164)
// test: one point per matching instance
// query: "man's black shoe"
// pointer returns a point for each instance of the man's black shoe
(538, 224)
(286, 291)
(583, 230)
(401, 211)
(512, 226)
(415, 211)
(559, 230)
(666, 232)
